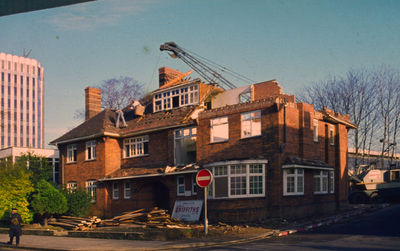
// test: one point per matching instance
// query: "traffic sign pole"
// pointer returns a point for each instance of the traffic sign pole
(205, 212)
(203, 179)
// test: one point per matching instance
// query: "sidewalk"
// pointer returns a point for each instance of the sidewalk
(36, 242)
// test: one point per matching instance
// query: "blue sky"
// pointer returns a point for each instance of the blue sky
(296, 42)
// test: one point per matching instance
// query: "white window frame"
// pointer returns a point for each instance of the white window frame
(227, 172)
(315, 130)
(91, 188)
(297, 176)
(195, 187)
(115, 191)
(332, 181)
(136, 147)
(72, 185)
(331, 135)
(180, 185)
(127, 190)
(322, 177)
(253, 125)
(90, 150)
(188, 95)
(72, 153)
(217, 124)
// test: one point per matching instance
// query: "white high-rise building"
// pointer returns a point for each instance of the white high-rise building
(21, 102)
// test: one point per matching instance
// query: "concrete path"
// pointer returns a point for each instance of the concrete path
(35, 242)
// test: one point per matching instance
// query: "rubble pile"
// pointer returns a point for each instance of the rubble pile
(76, 223)
(155, 217)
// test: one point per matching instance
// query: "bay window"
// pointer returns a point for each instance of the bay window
(293, 181)
(238, 179)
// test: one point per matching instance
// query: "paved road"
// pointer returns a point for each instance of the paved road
(377, 231)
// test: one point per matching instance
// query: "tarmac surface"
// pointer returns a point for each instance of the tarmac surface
(36, 242)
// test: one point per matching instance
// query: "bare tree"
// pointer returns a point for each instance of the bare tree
(388, 95)
(352, 94)
(117, 93)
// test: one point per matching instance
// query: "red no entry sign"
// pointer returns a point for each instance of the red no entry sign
(204, 178)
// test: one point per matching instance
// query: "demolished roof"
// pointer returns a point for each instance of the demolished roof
(133, 172)
(104, 124)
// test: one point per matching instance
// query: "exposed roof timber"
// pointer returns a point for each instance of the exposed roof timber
(146, 175)
(9, 7)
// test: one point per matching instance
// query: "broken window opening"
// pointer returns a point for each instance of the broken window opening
(185, 146)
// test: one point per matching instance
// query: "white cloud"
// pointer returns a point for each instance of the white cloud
(99, 13)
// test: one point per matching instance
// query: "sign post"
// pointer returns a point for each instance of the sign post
(203, 179)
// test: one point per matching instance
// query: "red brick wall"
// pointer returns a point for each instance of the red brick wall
(161, 152)
(271, 145)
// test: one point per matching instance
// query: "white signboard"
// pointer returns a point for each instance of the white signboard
(187, 210)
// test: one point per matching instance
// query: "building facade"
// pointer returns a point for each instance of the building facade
(270, 156)
(21, 101)
(52, 157)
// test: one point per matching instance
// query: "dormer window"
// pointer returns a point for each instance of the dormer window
(177, 97)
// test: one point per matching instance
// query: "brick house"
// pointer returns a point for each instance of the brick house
(269, 155)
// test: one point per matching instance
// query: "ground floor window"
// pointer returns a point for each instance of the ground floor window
(127, 190)
(237, 179)
(332, 181)
(320, 182)
(180, 183)
(91, 187)
(293, 181)
(72, 186)
(115, 191)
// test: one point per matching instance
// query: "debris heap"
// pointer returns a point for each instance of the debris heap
(155, 217)
(75, 223)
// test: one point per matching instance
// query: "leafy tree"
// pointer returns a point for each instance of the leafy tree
(79, 202)
(15, 187)
(38, 166)
(47, 200)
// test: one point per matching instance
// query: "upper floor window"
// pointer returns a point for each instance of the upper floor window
(315, 132)
(219, 129)
(138, 146)
(91, 150)
(331, 135)
(185, 145)
(293, 181)
(91, 188)
(71, 153)
(182, 96)
(321, 181)
(251, 124)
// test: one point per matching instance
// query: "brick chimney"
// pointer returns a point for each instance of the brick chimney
(166, 74)
(92, 102)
